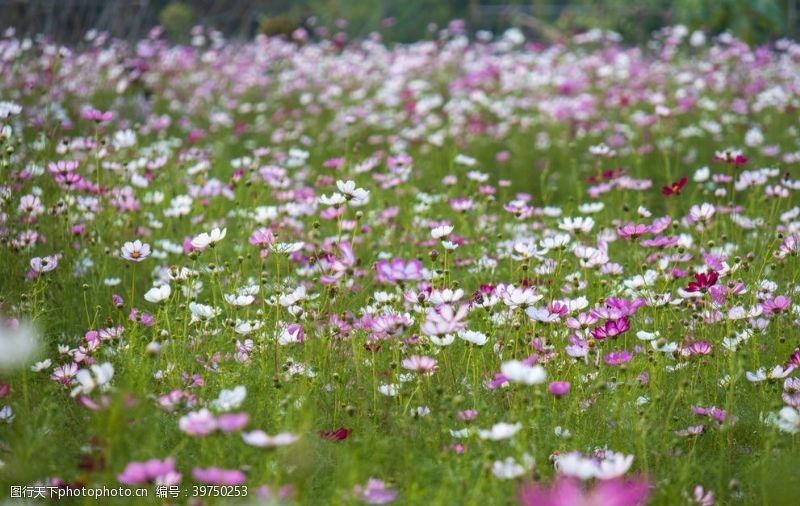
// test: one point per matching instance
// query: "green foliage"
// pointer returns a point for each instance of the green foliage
(177, 18)
(278, 25)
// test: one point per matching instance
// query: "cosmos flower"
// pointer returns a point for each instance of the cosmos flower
(520, 372)
(98, 375)
(611, 328)
(674, 188)
(375, 492)
(422, 364)
(205, 240)
(261, 439)
(153, 471)
(500, 431)
(198, 423)
(398, 270)
(444, 319)
(703, 281)
(19, 344)
(218, 476)
(569, 492)
(135, 251)
(558, 388)
(158, 294)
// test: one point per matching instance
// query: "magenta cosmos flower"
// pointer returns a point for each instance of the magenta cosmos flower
(568, 492)
(611, 328)
(559, 388)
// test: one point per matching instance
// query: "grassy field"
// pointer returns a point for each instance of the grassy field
(454, 272)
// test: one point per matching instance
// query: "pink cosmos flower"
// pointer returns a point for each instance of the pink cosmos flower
(444, 320)
(64, 373)
(776, 304)
(467, 414)
(230, 422)
(416, 363)
(569, 492)
(41, 265)
(198, 423)
(617, 357)
(375, 492)
(697, 348)
(218, 476)
(398, 270)
(151, 471)
(97, 115)
(632, 231)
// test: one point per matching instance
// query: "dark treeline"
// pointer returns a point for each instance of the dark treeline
(398, 20)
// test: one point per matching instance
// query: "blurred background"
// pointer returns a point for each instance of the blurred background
(754, 21)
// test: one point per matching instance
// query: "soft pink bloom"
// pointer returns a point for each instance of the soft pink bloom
(569, 492)
(375, 492)
(151, 471)
(217, 476)
(198, 423)
(422, 364)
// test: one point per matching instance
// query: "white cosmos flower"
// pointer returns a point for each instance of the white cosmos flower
(247, 327)
(261, 439)
(508, 469)
(239, 300)
(42, 366)
(356, 196)
(389, 389)
(500, 431)
(90, 379)
(158, 294)
(474, 337)
(229, 400)
(518, 372)
(444, 340)
(287, 248)
(788, 420)
(202, 311)
(579, 224)
(299, 294)
(647, 336)
(336, 199)
(441, 231)
(135, 251)
(19, 344)
(205, 240)
(612, 465)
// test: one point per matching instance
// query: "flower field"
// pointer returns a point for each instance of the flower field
(468, 270)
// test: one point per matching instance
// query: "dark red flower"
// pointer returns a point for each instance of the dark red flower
(703, 281)
(675, 188)
(335, 435)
